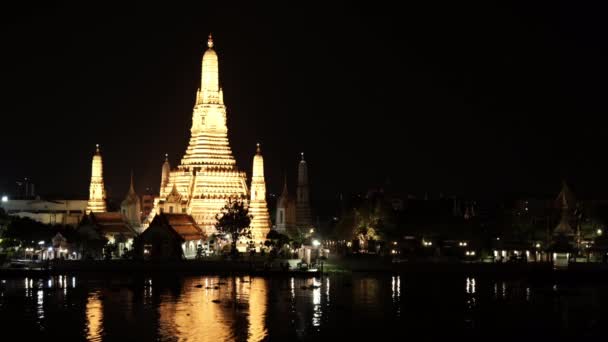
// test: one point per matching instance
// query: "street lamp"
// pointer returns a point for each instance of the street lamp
(316, 243)
(599, 231)
(4, 199)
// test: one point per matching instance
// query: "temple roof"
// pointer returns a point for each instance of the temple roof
(565, 199)
(111, 222)
(131, 197)
(182, 224)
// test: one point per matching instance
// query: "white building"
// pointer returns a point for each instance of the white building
(66, 212)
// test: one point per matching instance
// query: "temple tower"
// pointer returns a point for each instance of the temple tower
(260, 224)
(565, 201)
(131, 207)
(303, 215)
(97, 191)
(207, 175)
(166, 171)
(286, 212)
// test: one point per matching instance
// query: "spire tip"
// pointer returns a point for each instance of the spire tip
(210, 41)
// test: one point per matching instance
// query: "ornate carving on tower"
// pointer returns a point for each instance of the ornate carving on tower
(131, 207)
(260, 224)
(303, 215)
(97, 191)
(207, 175)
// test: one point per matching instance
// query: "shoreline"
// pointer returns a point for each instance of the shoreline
(532, 271)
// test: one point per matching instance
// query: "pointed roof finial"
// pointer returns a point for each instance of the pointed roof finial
(166, 156)
(302, 154)
(132, 188)
(258, 148)
(210, 41)
(284, 186)
(97, 148)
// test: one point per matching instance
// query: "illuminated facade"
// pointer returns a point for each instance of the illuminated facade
(260, 224)
(207, 175)
(97, 191)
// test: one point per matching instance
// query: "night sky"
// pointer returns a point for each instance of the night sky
(464, 99)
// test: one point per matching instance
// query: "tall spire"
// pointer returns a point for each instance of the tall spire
(131, 206)
(131, 187)
(260, 223)
(97, 191)
(210, 41)
(166, 171)
(209, 76)
(303, 214)
(285, 190)
(207, 174)
(565, 201)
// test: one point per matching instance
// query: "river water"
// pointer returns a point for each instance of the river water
(356, 307)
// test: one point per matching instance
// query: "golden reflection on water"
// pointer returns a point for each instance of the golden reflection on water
(221, 310)
(94, 313)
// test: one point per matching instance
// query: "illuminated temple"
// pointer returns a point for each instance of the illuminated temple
(97, 191)
(260, 223)
(207, 175)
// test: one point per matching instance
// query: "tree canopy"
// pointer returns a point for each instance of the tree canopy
(234, 220)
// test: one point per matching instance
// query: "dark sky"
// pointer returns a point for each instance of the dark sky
(470, 99)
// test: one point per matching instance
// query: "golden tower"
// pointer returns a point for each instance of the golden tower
(260, 224)
(97, 192)
(207, 175)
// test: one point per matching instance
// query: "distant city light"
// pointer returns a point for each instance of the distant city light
(599, 232)
(41, 242)
(316, 243)
(312, 230)
(538, 245)
(4, 198)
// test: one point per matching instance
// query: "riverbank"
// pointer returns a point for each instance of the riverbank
(258, 267)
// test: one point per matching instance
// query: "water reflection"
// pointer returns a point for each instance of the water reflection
(94, 315)
(396, 293)
(316, 302)
(213, 308)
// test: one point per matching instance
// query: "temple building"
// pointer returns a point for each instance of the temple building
(170, 237)
(566, 202)
(303, 215)
(207, 175)
(286, 212)
(97, 191)
(131, 208)
(294, 215)
(260, 224)
(47, 211)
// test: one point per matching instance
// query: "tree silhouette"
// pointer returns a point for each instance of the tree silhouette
(234, 220)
